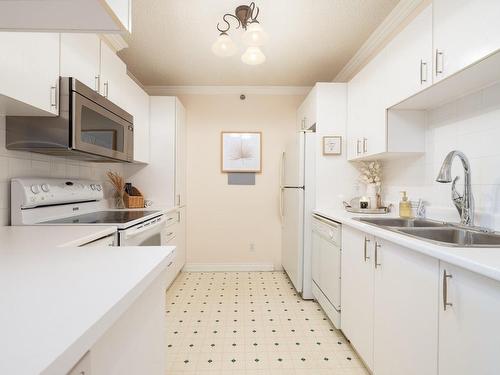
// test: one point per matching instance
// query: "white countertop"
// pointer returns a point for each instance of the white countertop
(21, 237)
(57, 301)
(485, 261)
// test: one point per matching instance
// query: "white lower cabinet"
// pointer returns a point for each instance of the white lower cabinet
(174, 234)
(405, 332)
(389, 305)
(357, 291)
(469, 327)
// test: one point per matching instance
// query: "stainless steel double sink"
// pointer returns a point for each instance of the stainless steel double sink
(441, 233)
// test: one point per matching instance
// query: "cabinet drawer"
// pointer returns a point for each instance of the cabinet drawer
(171, 218)
(168, 236)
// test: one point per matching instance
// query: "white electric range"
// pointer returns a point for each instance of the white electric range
(54, 201)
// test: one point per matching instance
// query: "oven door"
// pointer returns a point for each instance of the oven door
(147, 233)
(99, 131)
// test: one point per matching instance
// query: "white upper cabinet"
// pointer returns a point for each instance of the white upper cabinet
(80, 58)
(98, 16)
(138, 106)
(123, 11)
(406, 311)
(163, 179)
(307, 112)
(465, 31)
(469, 329)
(180, 154)
(400, 70)
(29, 73)
(114, 78)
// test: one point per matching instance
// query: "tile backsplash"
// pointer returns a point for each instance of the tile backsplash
(27, 164)
(471, 125)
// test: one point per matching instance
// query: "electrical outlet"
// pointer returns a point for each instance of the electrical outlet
(252, 247)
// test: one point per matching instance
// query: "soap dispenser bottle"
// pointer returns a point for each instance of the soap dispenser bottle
(404, 206)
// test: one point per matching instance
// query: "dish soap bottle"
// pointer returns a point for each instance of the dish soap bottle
(404, 206)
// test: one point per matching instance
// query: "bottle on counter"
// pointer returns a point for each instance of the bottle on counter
(404, 206)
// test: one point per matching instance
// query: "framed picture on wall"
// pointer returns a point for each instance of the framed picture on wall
(241, 152)
(332, 145)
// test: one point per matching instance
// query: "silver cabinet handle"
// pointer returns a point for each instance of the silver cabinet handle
(97, 83)
(366, 257)
(423, 69)
(365, 145)
(377, 246)
(446, 276)
(106, 89)
(358, 147)
(53, 96)
(439, 58)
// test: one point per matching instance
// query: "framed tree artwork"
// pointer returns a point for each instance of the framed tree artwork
(241, 152)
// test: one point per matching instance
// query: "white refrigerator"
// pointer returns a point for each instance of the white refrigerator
(297, 200)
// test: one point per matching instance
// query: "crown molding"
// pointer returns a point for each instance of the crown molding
(392, 24)
(115, 41)
(227, 90)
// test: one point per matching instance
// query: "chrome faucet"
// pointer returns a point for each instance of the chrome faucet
(464, 203)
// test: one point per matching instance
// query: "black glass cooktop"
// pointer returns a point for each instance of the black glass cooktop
(103, 217)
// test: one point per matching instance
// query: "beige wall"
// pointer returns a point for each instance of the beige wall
(222, 220)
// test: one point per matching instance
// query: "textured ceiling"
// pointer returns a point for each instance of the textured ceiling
(310, 40)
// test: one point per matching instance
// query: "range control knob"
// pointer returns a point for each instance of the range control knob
(35, 189)
(92, 186)
(98, 187)
(45, 187)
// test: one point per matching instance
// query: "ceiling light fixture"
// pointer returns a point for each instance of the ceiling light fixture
(254, 36)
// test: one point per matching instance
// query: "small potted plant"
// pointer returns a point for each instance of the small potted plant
(371, 175)
(118, 184)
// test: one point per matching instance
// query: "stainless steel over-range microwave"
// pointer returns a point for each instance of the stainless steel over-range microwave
(89, 127)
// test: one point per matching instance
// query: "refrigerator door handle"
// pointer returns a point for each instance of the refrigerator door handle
(282, 169)
(282, 208)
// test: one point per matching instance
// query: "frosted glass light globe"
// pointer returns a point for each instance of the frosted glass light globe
(255, 35)
(253, 56)
(224, 46)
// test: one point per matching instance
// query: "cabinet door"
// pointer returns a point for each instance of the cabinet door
(123, 11)
(80, 58)
(310, 109)
(138, 106)
(464, 32)
(114, 78)
(469, 329)
(180, 154)
(407, 60)
(29, 71)
(357, 291)
(405, 311)
(181, 240)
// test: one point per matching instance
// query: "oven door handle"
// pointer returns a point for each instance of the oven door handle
(147, 226)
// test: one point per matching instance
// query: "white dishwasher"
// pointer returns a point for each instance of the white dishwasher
(326, 254)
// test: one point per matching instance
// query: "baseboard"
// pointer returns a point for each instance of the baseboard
(227, 267)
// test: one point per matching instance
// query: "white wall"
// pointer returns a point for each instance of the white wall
(223, 220)
(471, 125)
(26, 164)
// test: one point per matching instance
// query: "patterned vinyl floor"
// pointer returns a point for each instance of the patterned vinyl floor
(250, 323)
